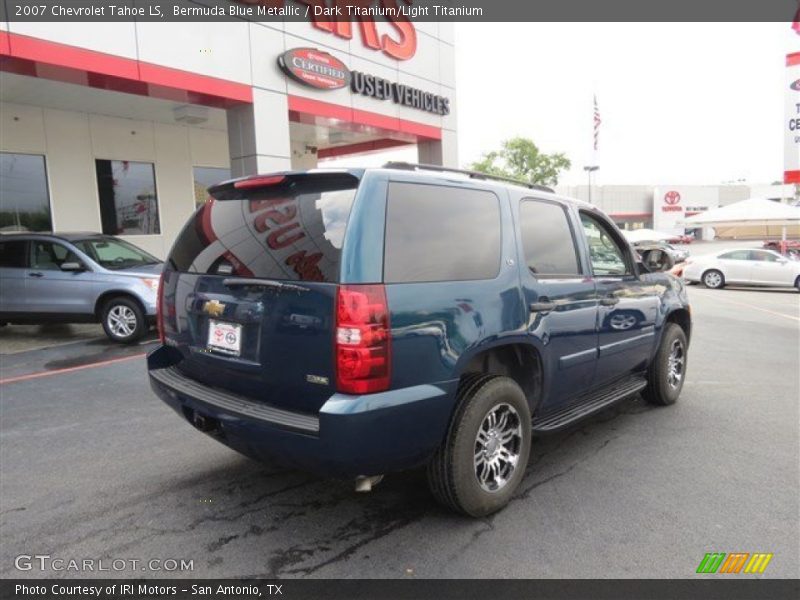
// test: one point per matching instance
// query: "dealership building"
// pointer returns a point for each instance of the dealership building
(120, 127)
(664, 207)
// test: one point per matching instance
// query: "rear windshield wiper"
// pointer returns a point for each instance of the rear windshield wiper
(249, 281)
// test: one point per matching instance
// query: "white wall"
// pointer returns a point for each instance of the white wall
(71, 141)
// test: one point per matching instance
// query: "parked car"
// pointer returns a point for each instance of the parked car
(788, 248)
(678, 255)
(76, 278)
(360, 322)
(743, 266)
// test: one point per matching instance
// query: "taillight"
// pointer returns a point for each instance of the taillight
(363, 341)
(160, 308)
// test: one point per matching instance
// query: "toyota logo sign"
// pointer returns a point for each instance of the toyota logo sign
(672, 198)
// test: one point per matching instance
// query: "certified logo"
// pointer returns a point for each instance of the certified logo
(315, 68)
(672, 198)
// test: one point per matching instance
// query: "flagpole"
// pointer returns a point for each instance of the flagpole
(595, 136)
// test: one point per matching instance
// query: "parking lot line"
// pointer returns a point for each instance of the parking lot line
(759, 308)
(68, 369)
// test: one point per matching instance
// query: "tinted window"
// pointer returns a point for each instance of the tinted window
(294, 236)
(437, 233)
(605, 253)
(547, 239)
(737, 255)
(24, 201)
(12, 254)
(204, 178)
(128, 201)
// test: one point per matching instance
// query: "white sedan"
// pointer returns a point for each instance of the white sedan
(746, 266)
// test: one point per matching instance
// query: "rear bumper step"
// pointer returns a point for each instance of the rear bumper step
(173, 379)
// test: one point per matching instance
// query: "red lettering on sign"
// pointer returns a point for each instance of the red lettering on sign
(402, 47)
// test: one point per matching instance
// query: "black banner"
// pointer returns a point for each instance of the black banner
(276, 11)
(733, 588)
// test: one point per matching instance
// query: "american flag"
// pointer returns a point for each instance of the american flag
(597, 122)
(796, 21)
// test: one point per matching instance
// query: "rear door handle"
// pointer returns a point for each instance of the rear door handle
(36, 274)
(609, 301)
(543, 307)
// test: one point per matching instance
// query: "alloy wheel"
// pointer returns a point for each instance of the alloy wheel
(675, 364)
(121, 321)
(497, 447)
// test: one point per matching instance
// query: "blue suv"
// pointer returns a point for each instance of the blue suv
(362, 321)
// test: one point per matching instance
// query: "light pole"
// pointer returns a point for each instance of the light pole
(589, 170)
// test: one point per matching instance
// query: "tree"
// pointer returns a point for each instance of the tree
(521, 159)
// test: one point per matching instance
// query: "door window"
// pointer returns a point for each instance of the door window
(547, 239)
(12, 254)
(737, 255)
(47, 256)
(605, 253)
(762, 256)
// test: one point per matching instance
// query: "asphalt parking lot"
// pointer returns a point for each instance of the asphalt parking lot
(94, 466)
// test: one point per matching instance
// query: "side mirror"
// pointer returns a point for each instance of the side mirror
(656, 260)
(72, 266)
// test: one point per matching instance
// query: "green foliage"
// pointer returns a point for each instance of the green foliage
(521, 159)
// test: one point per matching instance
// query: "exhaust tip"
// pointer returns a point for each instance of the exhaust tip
(365, 484)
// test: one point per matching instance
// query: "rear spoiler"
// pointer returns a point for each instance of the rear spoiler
(286, 182)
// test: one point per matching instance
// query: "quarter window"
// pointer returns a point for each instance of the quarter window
(128, 200)
(24, 199)
(605, 253)
(547, 239)
(439, 233)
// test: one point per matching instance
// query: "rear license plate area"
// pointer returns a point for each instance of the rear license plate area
(224, 337)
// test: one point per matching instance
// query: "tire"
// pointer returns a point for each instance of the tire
(454, 471)
(797, 284)
(664, 384)
(123, 320)
(713, 279)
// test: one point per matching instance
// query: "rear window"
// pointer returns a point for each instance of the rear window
(438, 233)
(547, 239)
(286, 236)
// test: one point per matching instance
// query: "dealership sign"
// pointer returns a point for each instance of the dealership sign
(314, 68)
(671, 202)
(791, 132)
(324, 71)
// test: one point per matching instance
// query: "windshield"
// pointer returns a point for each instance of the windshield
(115, 254)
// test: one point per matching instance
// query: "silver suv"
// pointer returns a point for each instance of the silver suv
(78, 277)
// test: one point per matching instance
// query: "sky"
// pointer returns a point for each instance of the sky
(688, 103)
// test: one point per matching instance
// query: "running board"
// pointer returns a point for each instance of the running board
(588, 405)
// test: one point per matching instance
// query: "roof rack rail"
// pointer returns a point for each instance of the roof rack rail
(407, 166)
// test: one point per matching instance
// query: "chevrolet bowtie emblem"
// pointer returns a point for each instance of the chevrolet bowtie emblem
(215, 308)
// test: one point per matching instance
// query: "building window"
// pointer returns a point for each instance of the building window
(204, 178)
(128, 200)
(24, 199)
